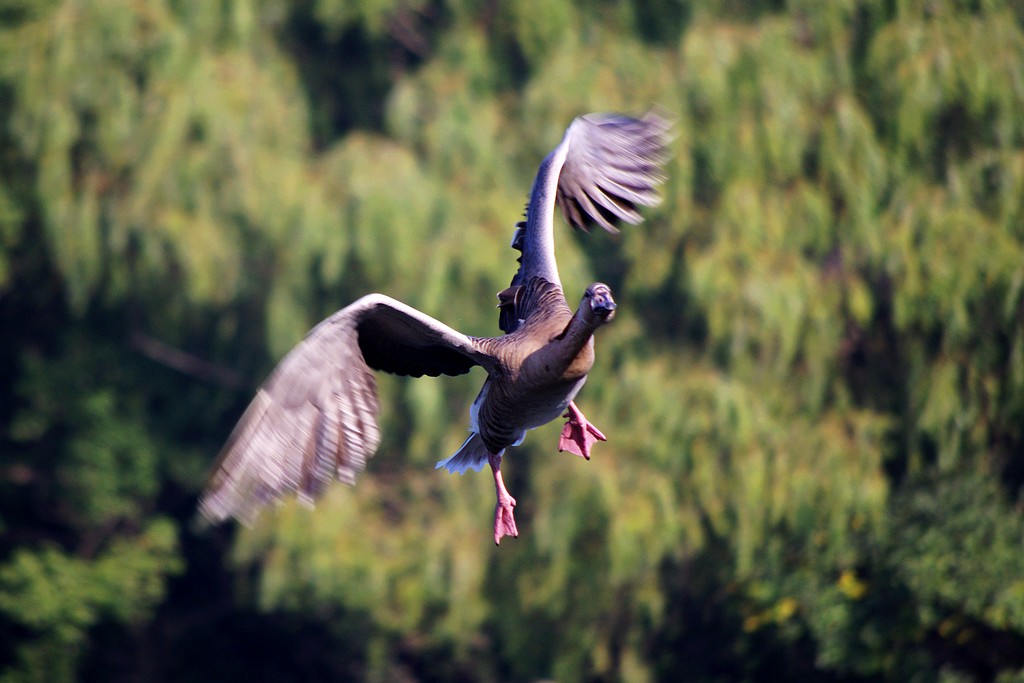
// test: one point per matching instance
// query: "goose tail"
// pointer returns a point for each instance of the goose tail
(472, 455)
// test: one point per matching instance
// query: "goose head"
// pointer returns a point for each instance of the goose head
(597, 306)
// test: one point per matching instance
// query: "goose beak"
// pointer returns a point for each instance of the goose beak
(603, 305)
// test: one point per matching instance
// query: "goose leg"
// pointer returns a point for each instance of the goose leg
(504, 520)
(578, 435)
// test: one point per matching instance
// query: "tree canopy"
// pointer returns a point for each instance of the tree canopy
(813, 388)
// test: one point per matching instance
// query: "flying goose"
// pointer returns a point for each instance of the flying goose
(315, 417)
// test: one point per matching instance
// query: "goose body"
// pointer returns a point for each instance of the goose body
(315, 418)
(544, 363)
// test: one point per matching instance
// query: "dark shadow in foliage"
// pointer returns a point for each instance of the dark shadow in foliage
(661, 22)
(437, 665)
(202, 633)
(12, 634)
(247, 647)
(32, 299)
(670, 313)
(706, 188)
(348, 73)
(877, 371)
(704, 639)
(984, 656)
(954, 543)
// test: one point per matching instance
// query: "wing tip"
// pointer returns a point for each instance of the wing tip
(620, 165)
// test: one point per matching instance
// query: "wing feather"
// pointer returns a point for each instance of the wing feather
(615, 162)
(315, 417)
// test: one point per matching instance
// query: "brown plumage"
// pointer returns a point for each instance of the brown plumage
(315, 417)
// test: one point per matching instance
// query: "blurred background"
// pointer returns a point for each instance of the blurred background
(813, 390)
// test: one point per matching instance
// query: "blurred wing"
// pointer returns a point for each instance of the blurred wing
(613, 166)
(604, 169)
(315, 418)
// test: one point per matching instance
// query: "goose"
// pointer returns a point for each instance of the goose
(314, 419)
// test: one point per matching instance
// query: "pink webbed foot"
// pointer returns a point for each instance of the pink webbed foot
(578, 435)
(504, 518)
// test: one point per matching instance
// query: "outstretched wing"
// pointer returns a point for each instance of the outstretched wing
(604, 169)
(315, 417)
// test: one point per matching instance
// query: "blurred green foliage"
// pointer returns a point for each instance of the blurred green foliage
(814, 391)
